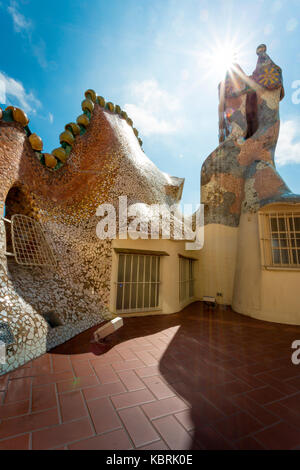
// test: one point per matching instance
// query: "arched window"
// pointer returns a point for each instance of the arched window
(25, 238)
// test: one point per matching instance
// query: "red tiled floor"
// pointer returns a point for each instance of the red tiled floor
(164, 407)
(280, 436)
(292, 402)
(27, 423)
(106, 374)
(52, 378)
(265, 395)
(237, 426)
(189, 380)
(77, 383)
(158, 387)
(138, 426)
(115, 440)
(131, 380)
(125, 400)
(72, 406)
(58, 435)
(19, 443)
(248, 443)
(43, 397)
(14, 409)
(104, 390)
(158, 445)
(209, 439)
(173, 433)
(103, 415)
(18, 390)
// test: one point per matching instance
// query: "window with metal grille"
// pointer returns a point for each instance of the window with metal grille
(280, 239)
(26, 239)
(138, 283)
(186, 279)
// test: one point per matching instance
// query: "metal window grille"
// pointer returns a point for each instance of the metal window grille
(138, 283)
(30, 246)
(280, 239)
(186, 279)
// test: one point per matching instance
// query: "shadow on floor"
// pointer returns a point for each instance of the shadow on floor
(210, 358)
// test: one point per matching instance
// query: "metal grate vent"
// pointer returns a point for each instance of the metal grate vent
(29, 242)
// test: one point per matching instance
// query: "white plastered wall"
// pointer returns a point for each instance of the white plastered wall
(263, 293)
(169, 273)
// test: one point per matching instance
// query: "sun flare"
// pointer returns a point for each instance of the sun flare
(221, 57)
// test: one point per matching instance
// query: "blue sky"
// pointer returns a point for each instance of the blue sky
(157, 60)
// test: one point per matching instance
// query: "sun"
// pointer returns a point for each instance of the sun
(220, 57)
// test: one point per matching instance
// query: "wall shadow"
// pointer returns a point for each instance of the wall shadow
(187, 342)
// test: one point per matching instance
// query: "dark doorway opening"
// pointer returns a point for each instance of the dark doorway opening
(251, 114)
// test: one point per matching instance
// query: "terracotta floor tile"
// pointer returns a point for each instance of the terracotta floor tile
(72, 406)
(83, 369)
(286, 373)
(210, 439)
(131, 380)
(284, 413)
(77, 383)
(173, 433)
(43, 397)
(284, 387)
(221, 402)
(14, 409)
(105, 390)
(61, 363)
(138, 426)
(52, 378)
(258, 412)
(18, 390)
(233, 388)
(185, 419)
(127, 354)
(148, 371)
(128, 365)
(26, 423)
(33, 371)
(147, 358)
(292, 402)
(237, 426)
(164, 407)
(158, 445)
(248, 443)
(294, 382)
(214, 364)
(106, 374)
(16, 443)
(62, 434)
(115, 440)
(158, 387)
(4, 382)
(128, 399)
(281, 436)
(103, 415)
(265, 395)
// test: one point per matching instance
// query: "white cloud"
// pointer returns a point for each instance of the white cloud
(19, 20)
(292, 24)
(26, 28)
(12, 92)
(154, 110)
(51, 118)
(288, 148)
